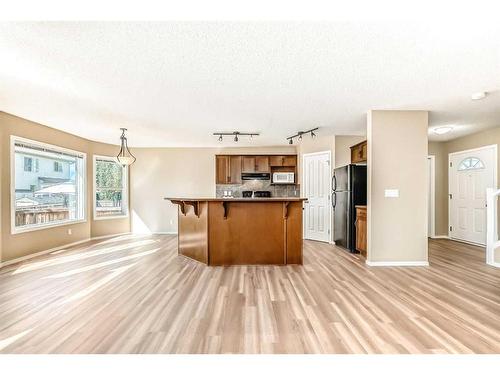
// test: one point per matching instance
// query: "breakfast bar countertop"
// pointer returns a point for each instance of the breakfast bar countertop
(239, 199)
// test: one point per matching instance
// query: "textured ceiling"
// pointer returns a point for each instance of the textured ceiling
(173, 84)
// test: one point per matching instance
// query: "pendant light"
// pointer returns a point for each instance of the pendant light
(125, 157)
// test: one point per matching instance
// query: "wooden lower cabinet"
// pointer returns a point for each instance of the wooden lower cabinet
(361, 229)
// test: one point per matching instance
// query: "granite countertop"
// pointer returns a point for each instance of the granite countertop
(275, 199)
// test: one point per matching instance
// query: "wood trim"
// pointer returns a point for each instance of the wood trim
(397, 264)
(196, 206)
(181, 206)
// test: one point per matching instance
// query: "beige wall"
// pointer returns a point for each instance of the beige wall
(397, 159)
(438, 149)
(175, 172)
(18, 245)
(343, 145)
(441, 150)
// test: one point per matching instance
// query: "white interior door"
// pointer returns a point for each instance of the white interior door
(471, 173)
(317, 177)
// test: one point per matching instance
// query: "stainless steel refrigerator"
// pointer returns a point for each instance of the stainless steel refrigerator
(349, 189)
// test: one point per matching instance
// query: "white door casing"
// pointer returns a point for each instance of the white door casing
(431, 225)
(317, 209)
(471, 172)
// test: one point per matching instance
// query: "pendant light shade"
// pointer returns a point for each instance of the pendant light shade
(125, 157)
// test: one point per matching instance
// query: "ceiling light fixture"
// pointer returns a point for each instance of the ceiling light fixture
(299, 135)
(125, 157)
(478, 95)
(442, 130)
(234, 134)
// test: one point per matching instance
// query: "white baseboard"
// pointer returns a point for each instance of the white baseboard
(165, 233)
(51, 250)
(440, 237)
(417, 263)
(494, 264)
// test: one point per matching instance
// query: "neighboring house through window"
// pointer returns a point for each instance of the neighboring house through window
(58, 166)
(48, 185)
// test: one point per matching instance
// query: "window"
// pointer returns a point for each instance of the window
(45, 197)
(28, 164)
(470, 163)
(58, 166)
(110, 188)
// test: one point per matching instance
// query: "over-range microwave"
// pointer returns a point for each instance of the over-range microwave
(283, 178)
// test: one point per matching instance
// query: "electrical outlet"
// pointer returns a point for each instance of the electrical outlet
(391, 193)
(70, 232)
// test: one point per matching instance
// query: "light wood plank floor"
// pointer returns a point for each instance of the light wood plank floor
(135, 295)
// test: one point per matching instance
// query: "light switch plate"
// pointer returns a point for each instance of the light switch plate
(391, 193)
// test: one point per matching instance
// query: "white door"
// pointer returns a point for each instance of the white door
(471, 173)
(317, 176)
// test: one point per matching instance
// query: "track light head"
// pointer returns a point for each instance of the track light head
(313, 134)
(236, 138)
(290, 141)
(220, 138)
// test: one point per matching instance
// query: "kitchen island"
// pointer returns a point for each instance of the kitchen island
(240, 231)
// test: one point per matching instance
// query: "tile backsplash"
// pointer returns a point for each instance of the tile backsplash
(253, 185)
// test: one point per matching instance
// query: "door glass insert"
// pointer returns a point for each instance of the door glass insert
(470, 163)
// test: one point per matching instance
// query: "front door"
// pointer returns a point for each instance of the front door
(471, 172)
(317, 191)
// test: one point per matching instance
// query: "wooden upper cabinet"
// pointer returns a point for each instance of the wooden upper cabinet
(290, 161)
(230, 167)
(248, 164)
(359, 152)
(255, 164)
(283, 161)
(227, 169)
(235, 169)
(222, 169)
(262, 164)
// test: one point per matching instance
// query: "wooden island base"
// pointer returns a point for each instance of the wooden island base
(240, 231)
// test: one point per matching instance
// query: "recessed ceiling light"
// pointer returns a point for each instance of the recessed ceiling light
(442, 130)
(478, 95)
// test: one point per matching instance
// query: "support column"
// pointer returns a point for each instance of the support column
(397, 188)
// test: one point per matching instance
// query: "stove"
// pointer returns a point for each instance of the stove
(262, 194)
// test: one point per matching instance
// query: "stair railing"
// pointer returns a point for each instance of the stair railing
(492, 242)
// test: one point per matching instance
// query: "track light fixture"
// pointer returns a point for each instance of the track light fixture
(299, 135)
(236, 135)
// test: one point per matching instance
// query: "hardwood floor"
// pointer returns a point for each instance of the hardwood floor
(135, 295)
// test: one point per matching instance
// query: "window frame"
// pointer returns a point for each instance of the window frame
(81, 185)
(125, 200)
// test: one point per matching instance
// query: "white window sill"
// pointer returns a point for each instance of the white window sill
(113, 217)
(32, 228)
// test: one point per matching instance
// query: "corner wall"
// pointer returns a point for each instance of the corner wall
(18, 245)
(441, 151)
(397, 159)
